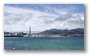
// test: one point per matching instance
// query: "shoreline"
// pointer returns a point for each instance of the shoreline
(42, 37)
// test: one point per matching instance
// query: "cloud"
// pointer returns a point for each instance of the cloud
(64, 17)
(76, 21)
(23, 18)
(19, 19)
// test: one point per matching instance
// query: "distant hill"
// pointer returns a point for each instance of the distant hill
(63, 31)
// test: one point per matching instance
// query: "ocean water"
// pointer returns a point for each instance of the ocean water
(43, 43)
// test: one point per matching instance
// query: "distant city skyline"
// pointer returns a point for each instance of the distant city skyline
(19, 17)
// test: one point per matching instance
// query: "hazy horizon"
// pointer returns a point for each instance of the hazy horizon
(35, 31)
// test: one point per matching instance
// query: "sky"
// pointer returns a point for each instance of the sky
(18, 17)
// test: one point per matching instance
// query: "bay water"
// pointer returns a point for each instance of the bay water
(43, 43)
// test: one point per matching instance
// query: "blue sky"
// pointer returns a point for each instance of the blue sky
(80, 7)
(43, 16)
